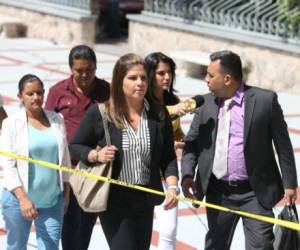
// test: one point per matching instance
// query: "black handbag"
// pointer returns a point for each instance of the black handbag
(285, 238)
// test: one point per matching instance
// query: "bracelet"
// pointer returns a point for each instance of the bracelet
(174, 187)
(95, 155)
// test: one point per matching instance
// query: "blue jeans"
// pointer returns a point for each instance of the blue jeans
(48, 224)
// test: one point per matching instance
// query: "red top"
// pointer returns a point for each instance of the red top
(64, 98)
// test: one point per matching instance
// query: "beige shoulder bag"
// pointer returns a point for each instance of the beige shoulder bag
(92, 194)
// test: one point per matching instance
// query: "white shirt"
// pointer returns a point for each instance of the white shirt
(14, 138)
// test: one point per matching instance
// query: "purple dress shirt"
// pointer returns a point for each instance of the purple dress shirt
(236, 167)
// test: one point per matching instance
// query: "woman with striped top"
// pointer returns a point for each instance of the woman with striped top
(142, 147)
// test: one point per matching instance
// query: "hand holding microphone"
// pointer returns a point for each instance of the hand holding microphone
(187, 106)
(179, 109)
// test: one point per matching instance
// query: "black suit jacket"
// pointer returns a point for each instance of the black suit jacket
(263, 125)
(91, 133)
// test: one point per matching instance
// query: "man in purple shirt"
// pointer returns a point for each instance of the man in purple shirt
(251, 181)
(72, 97)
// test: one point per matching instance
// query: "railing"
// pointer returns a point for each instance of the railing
(67, 8)
(255, 16)
(79, 4)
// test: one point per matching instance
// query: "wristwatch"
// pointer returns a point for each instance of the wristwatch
(175, 187)
(95, 155)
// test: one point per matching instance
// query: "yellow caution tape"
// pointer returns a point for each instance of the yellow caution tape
(287, 224)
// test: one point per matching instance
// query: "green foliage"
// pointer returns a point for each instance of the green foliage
(289, 3)
(293, 18)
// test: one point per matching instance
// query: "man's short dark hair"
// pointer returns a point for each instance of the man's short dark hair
(82, 52)
(230, 63)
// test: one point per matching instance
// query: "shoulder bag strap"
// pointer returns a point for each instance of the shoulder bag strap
(103, 112)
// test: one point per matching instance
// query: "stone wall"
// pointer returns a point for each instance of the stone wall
(54, 28)
(269, 68)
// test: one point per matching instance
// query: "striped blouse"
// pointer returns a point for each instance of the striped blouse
(136, 148)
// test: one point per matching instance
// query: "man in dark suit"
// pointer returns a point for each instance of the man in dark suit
(247, 178)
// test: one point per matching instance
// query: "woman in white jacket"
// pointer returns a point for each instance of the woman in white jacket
(31, 192)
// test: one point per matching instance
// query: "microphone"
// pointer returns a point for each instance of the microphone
(191, 105)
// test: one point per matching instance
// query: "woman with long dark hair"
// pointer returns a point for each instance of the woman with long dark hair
(161, 74)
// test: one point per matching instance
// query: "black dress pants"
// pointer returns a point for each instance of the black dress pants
(127, 222)
(77, 226)
(258, 234)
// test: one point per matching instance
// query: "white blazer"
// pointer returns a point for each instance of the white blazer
(14, 138)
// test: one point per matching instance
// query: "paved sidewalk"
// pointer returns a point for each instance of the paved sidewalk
(116, 47)
(49, 61)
